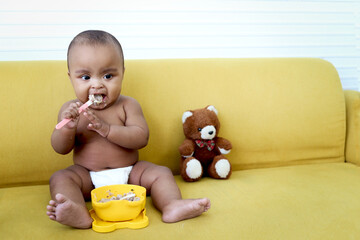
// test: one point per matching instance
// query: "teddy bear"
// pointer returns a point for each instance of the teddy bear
(202, 150)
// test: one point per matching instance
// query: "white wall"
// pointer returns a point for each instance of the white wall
(38, 30)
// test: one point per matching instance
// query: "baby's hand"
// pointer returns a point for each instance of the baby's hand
(71, 112)
(96, 124)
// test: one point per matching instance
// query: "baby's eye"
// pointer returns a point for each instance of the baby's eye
(85, 77)
(108, 76)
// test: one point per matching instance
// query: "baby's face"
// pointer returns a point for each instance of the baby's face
(96, 70)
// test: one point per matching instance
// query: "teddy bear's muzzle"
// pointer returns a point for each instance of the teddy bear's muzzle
(208, 132)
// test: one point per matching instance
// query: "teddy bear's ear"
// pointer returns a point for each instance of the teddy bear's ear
(186, 115)
(212, 108)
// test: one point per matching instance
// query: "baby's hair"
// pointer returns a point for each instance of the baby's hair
(95, 37)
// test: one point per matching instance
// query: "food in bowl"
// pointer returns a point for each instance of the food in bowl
(108, 208)
(130, 196)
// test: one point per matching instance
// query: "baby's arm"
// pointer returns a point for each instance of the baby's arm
(133, 135)
(63, 140)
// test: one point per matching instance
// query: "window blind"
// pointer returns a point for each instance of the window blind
(190, 29)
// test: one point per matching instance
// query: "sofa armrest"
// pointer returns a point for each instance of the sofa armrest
(352, 147)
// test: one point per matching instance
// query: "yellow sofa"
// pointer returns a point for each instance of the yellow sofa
(295, 157)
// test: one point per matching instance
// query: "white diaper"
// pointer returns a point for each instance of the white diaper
(111, 176)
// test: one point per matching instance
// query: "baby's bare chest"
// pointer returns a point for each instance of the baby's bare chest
(96, 152)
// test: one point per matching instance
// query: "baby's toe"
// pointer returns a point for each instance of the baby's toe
(206, 203)
(52, 217)
(52, 203)
(60, 198)
(50, 208)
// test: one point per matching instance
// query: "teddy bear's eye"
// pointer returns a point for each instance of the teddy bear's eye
(199, 129)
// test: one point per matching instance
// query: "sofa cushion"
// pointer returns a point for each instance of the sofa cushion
(274, 111)
(353, 126)
(37, 90)
(317, 201)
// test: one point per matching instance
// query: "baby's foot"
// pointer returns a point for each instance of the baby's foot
(184, 209)
(67, 212)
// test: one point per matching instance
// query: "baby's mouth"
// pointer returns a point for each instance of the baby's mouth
(97, 98)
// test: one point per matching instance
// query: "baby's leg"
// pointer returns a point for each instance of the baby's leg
(166, 196)
(68, 188)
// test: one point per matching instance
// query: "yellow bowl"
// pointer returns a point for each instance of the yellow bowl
(118, 210)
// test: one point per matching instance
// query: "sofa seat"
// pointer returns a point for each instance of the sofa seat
(315, 201)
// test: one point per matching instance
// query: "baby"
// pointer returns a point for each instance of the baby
(106, 138)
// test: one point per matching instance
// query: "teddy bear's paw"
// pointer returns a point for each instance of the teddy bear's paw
(224, 151)
(222, 168)
(193, 169)
(188, 156)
